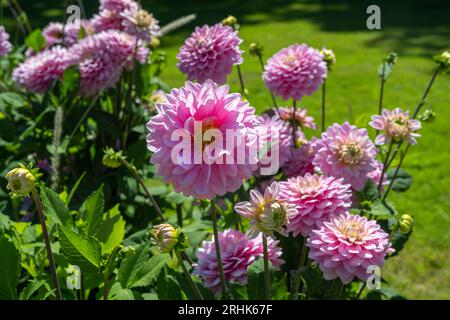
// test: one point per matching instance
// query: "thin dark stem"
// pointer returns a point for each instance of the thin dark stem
(266, 269)
(380, 101)
(127, 113)
(241, 80)
(51, 259)
(223, 284)
(179, 210)
(294, 122)
(323, 103)
(363, 286)
(106, 284)
(141, 182)
(402, 157)
(274, 100)
(82, 286)
(425, 94)
(385, 167)
(188, 276)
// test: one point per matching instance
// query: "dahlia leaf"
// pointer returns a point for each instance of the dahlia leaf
(55, 208)
(111, 230)
(36, 40)
(255, 272)
(10, 269)
(91, 210)
(402, 182)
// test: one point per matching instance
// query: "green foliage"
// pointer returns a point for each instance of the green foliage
(80, 250)
(55, 208)
(402, 182)
(10, 268)
(92, 209)
(35, 40)
(255, 287)
(111, 230)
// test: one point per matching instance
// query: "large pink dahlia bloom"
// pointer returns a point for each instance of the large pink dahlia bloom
(315, 199)
(5, 45)
(102, 57)
(209, 168)
(238, 253)
(37, 73)
(301, 116)
(210, 53)
(110, 14)
(295, 71)
(395, 125)
(346, 245)
(344, 151)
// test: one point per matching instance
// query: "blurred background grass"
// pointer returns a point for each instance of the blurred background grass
(415, 29)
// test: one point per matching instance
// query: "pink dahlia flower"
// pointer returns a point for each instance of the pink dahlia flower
(295, 71)
(203, 169)
(210, 53)
(37, 73)
(238, 253)
(5, 45)
(267, 212)
(315, 199)
(107, 20)
(395, 125)
(346, 245)
(274, 133)
(344, 151)
(140, 23)
(118, 5)
(375, 175)
(301, 116)
(102, 58)
(299, 161)
(53, 33)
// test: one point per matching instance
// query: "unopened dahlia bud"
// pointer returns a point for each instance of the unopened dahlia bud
(272, 218)
(20, 181)
(165, 236)
(229, 21)
(329, 57)
(255, 49)
(405, 223)
(443, 61)
(155, 43)
(111, 158)
(427, 116)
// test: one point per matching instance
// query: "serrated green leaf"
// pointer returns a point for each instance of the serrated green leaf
(54, 207)
(32, 287)
(111, 230)
(92, 210)
(80, 250)
(402, 182)
(9, 269)
(255, 272)
(151, 269)
(168, 287)
(36, 40)
(13, 99)
(383, 210)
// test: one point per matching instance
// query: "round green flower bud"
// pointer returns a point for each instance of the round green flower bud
(111, 158)
(155, 43)
(165, 236)
(427, 116)
(20, 181)
(272, 218)
(405, 223)
(229, 21)
(443, 61)
(255, 49)
(329, 57)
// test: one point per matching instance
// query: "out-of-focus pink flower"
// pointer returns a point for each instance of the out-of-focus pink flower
(315, 199)
(203, 107)
(295, 71)
(395, 125)
(347, 245)
(102, 57)
(53, 32)
(301, 116)
(210, 53)
(110, 16)
(375, 175)
(299, 161)
(238, 253)
(37, 73)
(118, 5)
(140, 23)
(344, 151)
(267, 212)
(5, 45)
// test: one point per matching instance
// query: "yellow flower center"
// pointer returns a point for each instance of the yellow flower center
(350, 153)
(143, 19)
(352, 230)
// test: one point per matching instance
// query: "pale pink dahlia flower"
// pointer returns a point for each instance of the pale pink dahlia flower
(118, 5)
(5, 45)
(210, 53)
(37, 73)
(238, 253)
(295, 71)
(102, 57)
(140, 23)
(53, 32)
(110, 14)
(346, 245)
(274, 133)
(267, 212)
(315, 199)
(344, 151)
(301, 116)
(395, 125)
(196, 168)
(299, 161)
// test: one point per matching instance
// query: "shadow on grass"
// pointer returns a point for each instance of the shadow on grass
(415, 26)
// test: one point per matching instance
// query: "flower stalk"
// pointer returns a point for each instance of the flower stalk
(188, 275)
(223, 284)
(266, 269)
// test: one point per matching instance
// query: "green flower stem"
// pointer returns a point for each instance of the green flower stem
(380, 101)
(385, 165)
(51, 259)
(139, 180)
(82, 286)
(294, 122)
(275, 104)
(402, 157)
(106, 284)
(363, 286)
(223, 284)
(188, 276)
(241, 80)
(266, 269)
(323, 103)
(179, 210)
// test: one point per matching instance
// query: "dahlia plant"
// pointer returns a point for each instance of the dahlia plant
(196, 195)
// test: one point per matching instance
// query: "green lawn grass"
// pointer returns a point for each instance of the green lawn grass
(415, 29)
